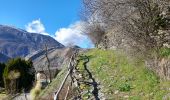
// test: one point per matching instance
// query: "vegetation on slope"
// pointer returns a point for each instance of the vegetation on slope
(134, 26)
(117, 77)
(121, 78)
(16, 76)
(49, 91)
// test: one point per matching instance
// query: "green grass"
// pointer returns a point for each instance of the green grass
(130, 79)
(52, 87)
(120, 78)
(164, 52)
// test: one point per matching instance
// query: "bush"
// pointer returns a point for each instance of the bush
(18, 75)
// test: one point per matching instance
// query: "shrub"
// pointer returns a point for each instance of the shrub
(18, 75)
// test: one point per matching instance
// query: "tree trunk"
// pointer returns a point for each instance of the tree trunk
(48, 62)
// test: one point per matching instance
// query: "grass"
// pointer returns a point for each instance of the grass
(120, 78)
(2, 96)
(164, 52)
(36, 90)
(48, 92)
(52, 87)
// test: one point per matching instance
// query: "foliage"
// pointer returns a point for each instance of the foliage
(18, 75)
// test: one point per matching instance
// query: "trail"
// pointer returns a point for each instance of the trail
(87, 85)
(93, 83)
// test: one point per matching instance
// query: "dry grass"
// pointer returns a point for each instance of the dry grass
(2, 96)
(36, 91)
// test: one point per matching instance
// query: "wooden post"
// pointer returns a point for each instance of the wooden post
(70, 68)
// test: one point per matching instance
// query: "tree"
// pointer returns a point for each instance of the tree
(48, 62)
(136, 23)
(18, 75)
(144, 27)
(96, 33)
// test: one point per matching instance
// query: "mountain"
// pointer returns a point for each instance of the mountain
(16, 42)
(3, 58)
(58, 58)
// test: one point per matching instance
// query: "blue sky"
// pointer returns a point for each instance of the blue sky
(54, 16)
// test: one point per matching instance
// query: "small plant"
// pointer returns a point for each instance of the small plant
(164, 52)
(124, 87)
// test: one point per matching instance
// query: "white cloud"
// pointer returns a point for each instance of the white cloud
(73, 35)
(36, 26)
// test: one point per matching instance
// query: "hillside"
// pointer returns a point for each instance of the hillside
(3, 58)
(114, 77)
(57, 56)
(111, 50)
(19, 43)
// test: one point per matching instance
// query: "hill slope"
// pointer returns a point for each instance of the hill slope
(16, 42)
(115, 78)
(3, 58)
(56, 56)
(121, 78)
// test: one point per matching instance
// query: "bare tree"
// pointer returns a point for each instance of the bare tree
(139, 21)
(95, 33)
(144, 27)
(48, 62)
(103, 16)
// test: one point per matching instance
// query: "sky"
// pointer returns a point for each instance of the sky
(57, 18)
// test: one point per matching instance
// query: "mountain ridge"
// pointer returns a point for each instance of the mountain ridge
(15, 42)
(4, 58)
